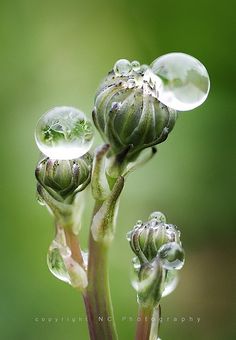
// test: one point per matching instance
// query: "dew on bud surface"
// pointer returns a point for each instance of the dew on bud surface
(64, 133)
(171, 255)
(122, 67)
(158, 216)
(135, 65)
(185, 81)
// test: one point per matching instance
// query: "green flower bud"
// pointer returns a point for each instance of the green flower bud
(62, 179)
(127, 111)
(150, 283)
(159, 254)
(146, 239)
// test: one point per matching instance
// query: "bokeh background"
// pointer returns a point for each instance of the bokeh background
(56, 53)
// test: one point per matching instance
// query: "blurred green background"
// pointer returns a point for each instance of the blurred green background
(56, 53)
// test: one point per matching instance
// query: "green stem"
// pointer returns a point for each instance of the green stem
(148, 323)
(97, 297)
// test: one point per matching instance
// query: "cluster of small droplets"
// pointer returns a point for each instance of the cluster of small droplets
(178, 80)
(123, 67)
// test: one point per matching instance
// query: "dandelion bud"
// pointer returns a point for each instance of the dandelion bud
(62, 179)
(128, 113)
(146, 239)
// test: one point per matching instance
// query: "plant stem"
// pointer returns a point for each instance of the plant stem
(148, 323)
(73, 243)
(97, 297)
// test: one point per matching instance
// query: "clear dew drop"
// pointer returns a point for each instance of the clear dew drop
(136, 263)
(56, 263)
(122, 67)
(129, 235)
(171, 255)
(40, 200)
(64, 133)
(138, 223)
(143, 68)
(171, 282)
(134, 274)
(135, 65)
(185, 81)
(85, 257)
(158, 216)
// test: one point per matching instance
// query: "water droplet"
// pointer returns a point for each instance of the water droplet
(139, 223)
(129, 235)
(85, 257)
(40, 200)
(56, 263)
(64, 133)
(122, 67)
(131, 83)
(185, 81)
(158, 216)
(171, 282)
(136, 263)
(143, 68)
(135, 65)
(171, 255)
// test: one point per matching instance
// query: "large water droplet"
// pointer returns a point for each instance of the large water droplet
(171, 255)
(56, 263)
(122, 67)
(171, 282)
(185, 80)
(64, 133)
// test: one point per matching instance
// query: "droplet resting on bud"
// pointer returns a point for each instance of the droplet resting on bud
(185, 81)
(171, 255)
(147, 238)
(158, 216)
(159, 254)
(127, 111)
(64, 133)
(64, 178)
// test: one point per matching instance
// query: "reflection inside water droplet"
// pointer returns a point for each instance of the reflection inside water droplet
(185, 81)
(64, 133)
(171, 282)
(56, 263)
(171, 255)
